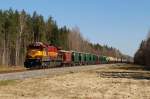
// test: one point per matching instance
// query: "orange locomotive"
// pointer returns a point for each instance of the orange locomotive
(42, 55)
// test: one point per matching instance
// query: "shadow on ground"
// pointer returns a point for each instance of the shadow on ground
(129, 71)
(129, 75)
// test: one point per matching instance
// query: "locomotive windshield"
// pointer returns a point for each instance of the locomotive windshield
(33, 47)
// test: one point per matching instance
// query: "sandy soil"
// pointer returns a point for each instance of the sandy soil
(116, 82)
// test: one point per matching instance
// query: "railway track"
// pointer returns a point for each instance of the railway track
(44, 72)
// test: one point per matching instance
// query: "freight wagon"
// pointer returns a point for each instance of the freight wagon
(66, 58)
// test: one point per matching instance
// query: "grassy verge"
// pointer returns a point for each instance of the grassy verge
(5, 69)
(131, 67)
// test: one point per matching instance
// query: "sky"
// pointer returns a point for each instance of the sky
(122, 24)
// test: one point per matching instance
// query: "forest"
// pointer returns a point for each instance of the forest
(142, 56)
(19, 28)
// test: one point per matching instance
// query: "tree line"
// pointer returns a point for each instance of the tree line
(19, 29)
(142, 56)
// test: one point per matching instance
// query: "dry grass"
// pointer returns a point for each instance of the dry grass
(5, 69)
(105, 83)
(7, 82)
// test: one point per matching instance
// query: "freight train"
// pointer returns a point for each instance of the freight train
(40, 55)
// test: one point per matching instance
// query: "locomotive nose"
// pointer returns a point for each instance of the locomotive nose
(34, 54)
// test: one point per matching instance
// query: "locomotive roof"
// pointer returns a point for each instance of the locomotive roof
(40, 44)
(64, 51)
